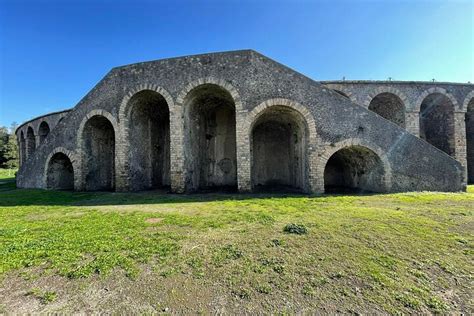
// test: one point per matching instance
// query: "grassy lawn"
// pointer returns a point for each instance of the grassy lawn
(222, 253)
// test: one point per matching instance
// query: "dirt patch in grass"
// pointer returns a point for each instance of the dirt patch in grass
(154, 220)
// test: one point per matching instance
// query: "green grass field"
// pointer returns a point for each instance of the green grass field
(221, 253)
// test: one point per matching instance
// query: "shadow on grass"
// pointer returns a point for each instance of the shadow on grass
(11, 196)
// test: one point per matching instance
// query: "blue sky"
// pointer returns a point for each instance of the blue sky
(54, 52)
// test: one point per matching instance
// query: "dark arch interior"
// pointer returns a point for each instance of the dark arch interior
(149, 138)
(279, 150)
(30, 142)
(354, 169)
(22, 148)
(99, 153)
(43, 131)
(390, 107)
(210, 144)
(470, 140)
(437, 122)
(60, 173)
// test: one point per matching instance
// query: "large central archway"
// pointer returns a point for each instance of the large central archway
(149, 139)
(354, 169)
(437, 122)
(98, 154)
(390, 107)
(210, 143)
(278, 150)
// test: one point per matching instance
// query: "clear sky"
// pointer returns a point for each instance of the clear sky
(54, 52)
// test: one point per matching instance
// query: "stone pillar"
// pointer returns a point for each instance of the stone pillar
(177, 172)
(460, 143)
(37, 141)
(121, 162)
(243, 152)
(412, 122)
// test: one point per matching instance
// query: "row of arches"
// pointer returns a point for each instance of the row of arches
(279, 137)
(436, 120)
(29, 142)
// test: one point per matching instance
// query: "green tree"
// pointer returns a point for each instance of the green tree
(12, 154)
(3, 145)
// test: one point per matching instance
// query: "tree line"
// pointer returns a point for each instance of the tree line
(9, 155)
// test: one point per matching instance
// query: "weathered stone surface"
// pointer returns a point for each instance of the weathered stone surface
(241, 120)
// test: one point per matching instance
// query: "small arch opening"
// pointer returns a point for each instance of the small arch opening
(354, 169)
(390, 107)
(98, 149)
(30, 142)
(278, 151)
(43, 131)
(149, 138)
(22, 148)
(60, 173)
(470, 141)
(437, 122)
(210, 143)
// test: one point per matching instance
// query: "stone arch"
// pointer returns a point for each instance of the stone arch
(469, 119)
(344, 91)
(439, 90)
(467, 100)
(59, 169)
(96, 139)
(390, 103)
(209, 110)
(215, 81)
(43, 131)
(30, 141)
(367, 174)
(379, 90)
(124, 105)
(145, 121)
(341, 93)
(437, 119)
(296, 125)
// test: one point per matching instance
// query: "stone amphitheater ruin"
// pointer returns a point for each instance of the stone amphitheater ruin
(241, 121)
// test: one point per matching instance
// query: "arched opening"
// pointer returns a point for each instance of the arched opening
(278, 150)
(60, 173)
(390, 107)
(149, 139)
(437, 122)
(30, 142)
(470, 141)
(354, 169)
(98, 149)
(210, 144)
(22, 148)
(43, 131)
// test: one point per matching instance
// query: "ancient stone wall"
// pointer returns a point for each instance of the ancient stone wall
(241, 121)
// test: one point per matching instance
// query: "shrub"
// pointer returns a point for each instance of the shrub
(295, 229)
